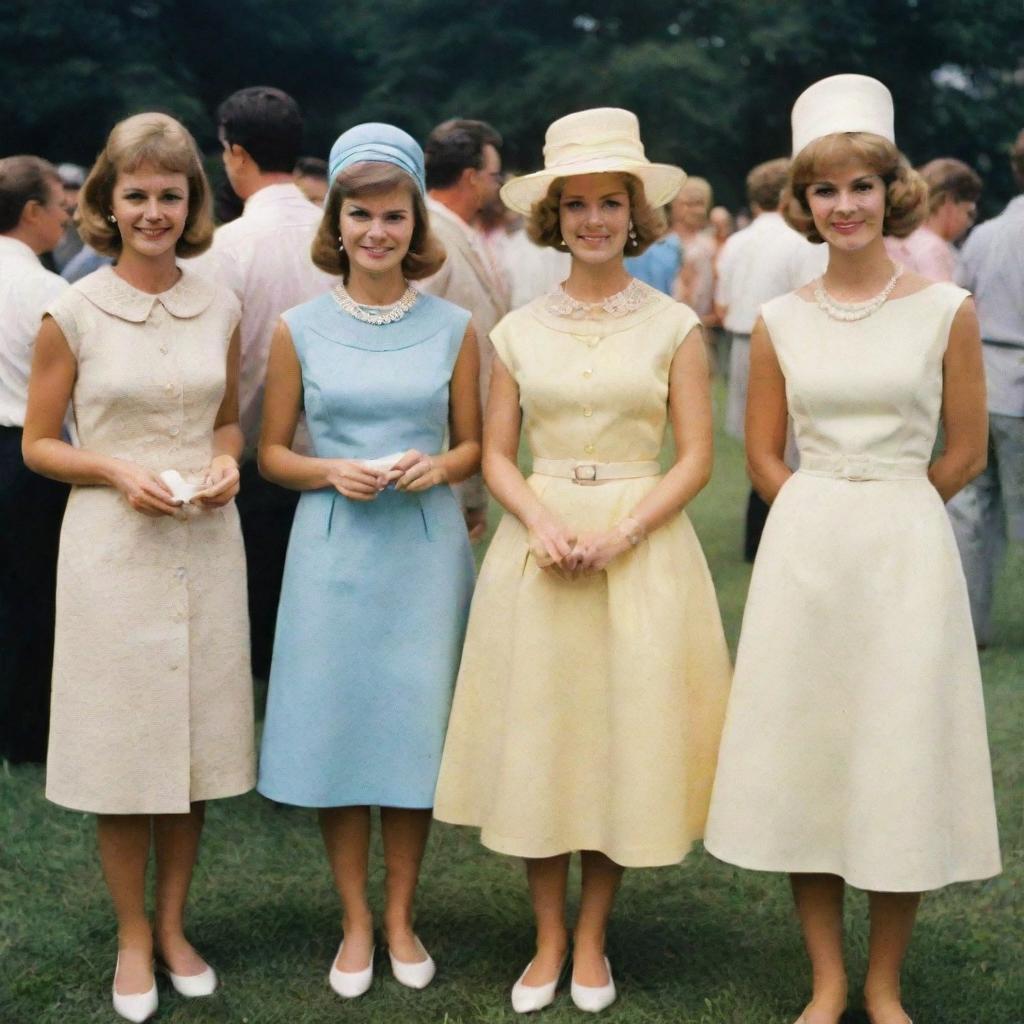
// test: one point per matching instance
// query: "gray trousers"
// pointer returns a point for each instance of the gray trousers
(986, 511)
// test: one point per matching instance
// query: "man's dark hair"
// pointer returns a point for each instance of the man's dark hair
(266, 123)
(455, 145)
(1017, 159)
(22, 179)
(311, 167)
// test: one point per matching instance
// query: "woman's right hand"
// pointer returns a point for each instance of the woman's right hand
(356, 481)
(145, 491)
(551, 544)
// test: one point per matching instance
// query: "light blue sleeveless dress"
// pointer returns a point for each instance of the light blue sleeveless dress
(375, 594)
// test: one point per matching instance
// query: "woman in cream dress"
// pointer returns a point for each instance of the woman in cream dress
(855, 748)
(593, 680)
(152, 695)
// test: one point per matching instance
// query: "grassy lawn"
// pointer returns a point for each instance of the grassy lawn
(703, 943)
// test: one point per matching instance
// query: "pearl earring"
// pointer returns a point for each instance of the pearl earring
(633, 240)
(111, 218)
(341, 245)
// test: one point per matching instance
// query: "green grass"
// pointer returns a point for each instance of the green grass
(703, 943)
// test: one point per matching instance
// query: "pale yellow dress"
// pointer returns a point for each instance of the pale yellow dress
(587, 713)
(855, 743)
(152, 693)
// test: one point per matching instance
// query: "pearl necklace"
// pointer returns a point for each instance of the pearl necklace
(849, 311)
(385, 315)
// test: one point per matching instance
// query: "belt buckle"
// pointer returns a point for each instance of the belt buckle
(856, 468)
(584, 473)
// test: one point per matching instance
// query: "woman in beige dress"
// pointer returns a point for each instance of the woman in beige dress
(855, 750)
(152, 694)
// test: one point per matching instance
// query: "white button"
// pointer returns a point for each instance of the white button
(589, 449)
(169, 388)
(588, 372)
(587, 411)
(592, 343)
(163, 349)
(173, 431)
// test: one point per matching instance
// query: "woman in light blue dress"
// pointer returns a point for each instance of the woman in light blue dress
(379, 573)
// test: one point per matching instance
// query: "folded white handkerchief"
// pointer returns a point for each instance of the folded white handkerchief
(181, 489)
(385, 462)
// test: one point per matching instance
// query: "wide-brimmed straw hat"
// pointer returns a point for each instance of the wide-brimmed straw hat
(598, 141)
(842, 103)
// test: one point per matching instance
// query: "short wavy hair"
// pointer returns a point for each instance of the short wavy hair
(165, 143)
(948, 178)
(544, 224)
(426, 254)
(906, 194)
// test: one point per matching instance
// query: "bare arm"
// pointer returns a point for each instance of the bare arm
(222, 474)
(964, 414)
(54, 369)
(767, 417)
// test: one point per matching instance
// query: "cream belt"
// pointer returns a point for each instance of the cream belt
(862, 467)
(594, 472)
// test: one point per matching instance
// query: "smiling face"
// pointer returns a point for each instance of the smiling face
(151, 207)
(376, 230)
(594, 216)
(847, 202)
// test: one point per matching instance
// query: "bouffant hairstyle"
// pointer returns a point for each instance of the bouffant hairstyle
(766, 182)
(906, 194)
(544, 226)
(166, 144)
(23, 179)
(425, 255)
(951, 179)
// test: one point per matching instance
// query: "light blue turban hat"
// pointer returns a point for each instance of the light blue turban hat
(380, 143)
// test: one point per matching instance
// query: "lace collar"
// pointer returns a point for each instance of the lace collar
(629, 300)
(187, 298)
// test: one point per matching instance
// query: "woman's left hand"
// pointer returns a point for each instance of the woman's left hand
(593, 552)
(418, 472)
(221, 483)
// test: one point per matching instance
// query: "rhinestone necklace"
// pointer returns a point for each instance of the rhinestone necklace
(630, 299)
(378, 316)
(849, 311)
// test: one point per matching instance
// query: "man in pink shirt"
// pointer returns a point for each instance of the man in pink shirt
(953, 191)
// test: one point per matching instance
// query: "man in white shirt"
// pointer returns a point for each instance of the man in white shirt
(463, 166)
(766, 259)
(264, 258)
(32, 218)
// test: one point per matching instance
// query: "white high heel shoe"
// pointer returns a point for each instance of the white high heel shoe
(193, 986)
(594, 998)
(137, 1006)
(530, 998)
(413, 975)
(350, 984)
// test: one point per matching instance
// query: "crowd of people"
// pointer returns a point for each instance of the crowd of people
(257, 448)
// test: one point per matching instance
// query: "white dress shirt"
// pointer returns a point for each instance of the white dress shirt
(264, 258)
(763, 260)
(26, 289)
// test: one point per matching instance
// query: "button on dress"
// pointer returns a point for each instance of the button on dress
(152, 692)
(587, 713)
(375, 594)
(855, 743)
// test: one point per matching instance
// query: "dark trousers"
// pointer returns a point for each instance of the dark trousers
(31, 509)
(757, 516)
(266, 511)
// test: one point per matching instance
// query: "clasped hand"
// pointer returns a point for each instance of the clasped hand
(147, 493)
(414, 472)
(570, 556)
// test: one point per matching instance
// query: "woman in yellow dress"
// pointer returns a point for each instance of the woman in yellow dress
(594, 677)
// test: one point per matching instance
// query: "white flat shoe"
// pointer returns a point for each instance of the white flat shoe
(415, 975)
(192, 986)
(591, 998)
(530, 998)
(350, 984)
(138, 1006)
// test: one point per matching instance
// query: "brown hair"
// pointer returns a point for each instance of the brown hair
(947, 178)
(766, 182)
(544, 227)
(1017, 159)
(906, 194)
(425, 255)
(22, 180)
(167, 144)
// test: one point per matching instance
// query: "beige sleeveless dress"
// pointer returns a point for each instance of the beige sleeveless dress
(855, 740)
(152, 693)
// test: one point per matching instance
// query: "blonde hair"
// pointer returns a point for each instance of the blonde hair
(165, 143)
(544, 224)
(906, 194)
(703, 186)
(426, 254)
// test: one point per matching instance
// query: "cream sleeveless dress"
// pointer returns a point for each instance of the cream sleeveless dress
(587, 713)
(855, 741)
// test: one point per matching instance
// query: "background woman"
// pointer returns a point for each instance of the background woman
(593, 681)
(379, 572)
(152, 695)
(855, 747)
